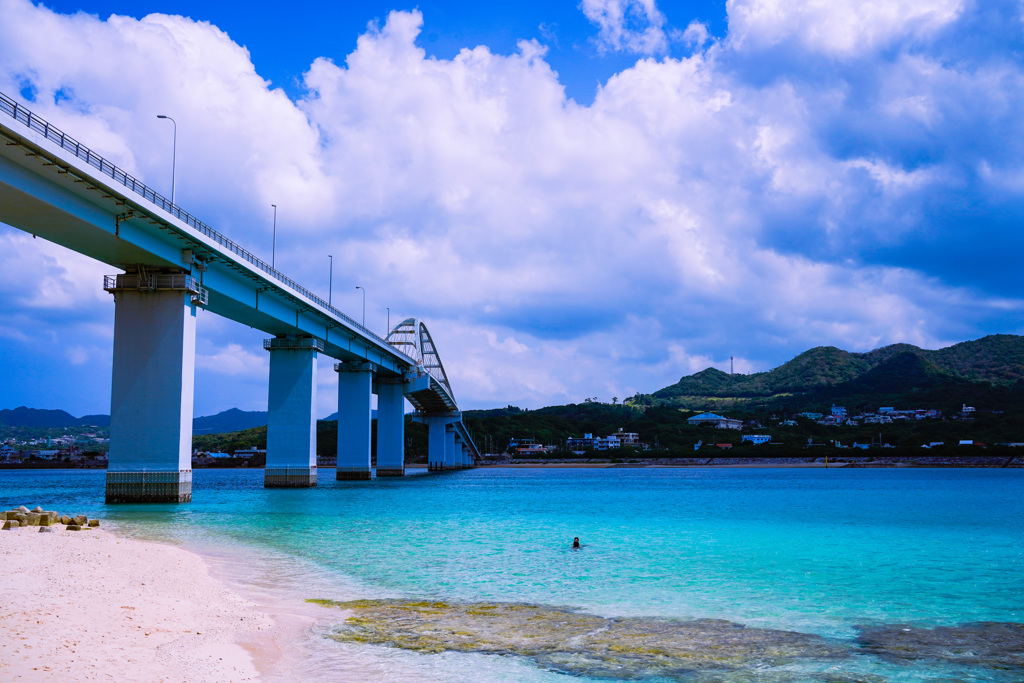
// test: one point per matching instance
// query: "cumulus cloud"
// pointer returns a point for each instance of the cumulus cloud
(815, 177)
(627, 25)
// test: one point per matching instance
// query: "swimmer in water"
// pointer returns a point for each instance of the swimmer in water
(576, 542)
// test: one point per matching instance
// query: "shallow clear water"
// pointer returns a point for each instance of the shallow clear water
(815, 551)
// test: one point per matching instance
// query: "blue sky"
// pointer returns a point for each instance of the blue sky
(582, 199)
(284, 44)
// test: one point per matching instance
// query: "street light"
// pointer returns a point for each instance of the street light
(330, 281)
(364, 305)
(273, 245)
(174, 150)
(388, 331)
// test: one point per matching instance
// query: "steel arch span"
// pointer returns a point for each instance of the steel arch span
(412, 338)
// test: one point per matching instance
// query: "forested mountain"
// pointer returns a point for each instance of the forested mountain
(986, 371)
(35, 417)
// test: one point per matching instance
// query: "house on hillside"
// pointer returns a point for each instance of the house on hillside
(716, 421)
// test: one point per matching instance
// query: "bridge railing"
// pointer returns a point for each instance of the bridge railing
(69, 144)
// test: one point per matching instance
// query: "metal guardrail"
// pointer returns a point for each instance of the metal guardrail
(152, 282)
(294, 343)
(69, 144)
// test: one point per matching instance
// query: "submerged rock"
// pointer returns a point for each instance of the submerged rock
(583, 644)
(991, 644)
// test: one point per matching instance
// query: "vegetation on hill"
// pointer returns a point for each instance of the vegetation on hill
(985, 371)
(49, 419)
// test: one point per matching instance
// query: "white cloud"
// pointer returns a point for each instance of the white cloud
(840, 28)
(233, 360)
(627, 25)
(696, 35)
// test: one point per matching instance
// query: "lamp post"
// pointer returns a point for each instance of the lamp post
(174, 151)
(273, 245)
(364, 304)
(330, 281)
(388, 331)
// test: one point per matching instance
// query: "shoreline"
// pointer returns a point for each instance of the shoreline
(105, 604)
(98, 604)
(772, 463)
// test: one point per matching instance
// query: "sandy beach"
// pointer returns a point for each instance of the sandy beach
(92, 605)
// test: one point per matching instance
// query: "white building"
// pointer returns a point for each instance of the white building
(715, 420)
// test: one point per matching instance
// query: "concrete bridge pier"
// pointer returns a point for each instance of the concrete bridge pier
(450, 447)
(291, 416)
(355, 414)
(390, 426)
(152, 388)
(438, 427)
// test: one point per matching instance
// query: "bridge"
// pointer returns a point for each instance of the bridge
(54, 187)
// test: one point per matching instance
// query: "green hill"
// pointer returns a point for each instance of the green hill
(985, 371)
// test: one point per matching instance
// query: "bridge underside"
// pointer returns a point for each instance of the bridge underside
(55, 188)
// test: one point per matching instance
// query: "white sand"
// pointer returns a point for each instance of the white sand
(92, 605)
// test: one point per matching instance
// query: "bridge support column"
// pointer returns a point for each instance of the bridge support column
(390, 426)
(291, 417)
(437, 439)
(152, 385)
(355, 413)
(436, 442)
(450, 448)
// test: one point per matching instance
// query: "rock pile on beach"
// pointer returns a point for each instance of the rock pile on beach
(21, 516)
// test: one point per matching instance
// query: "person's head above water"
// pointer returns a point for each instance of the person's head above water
(576, 542)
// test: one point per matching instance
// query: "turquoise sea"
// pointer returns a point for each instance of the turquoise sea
(768, 574)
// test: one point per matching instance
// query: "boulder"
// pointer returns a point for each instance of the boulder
(94, 522)
(46, 528)
(52, 516)
(32, 518)
(74, 527)
(11, 524)
(44, 521)
(64, 519)
(37, 508)
(80, 520)
(22, 509)
(21, 519)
